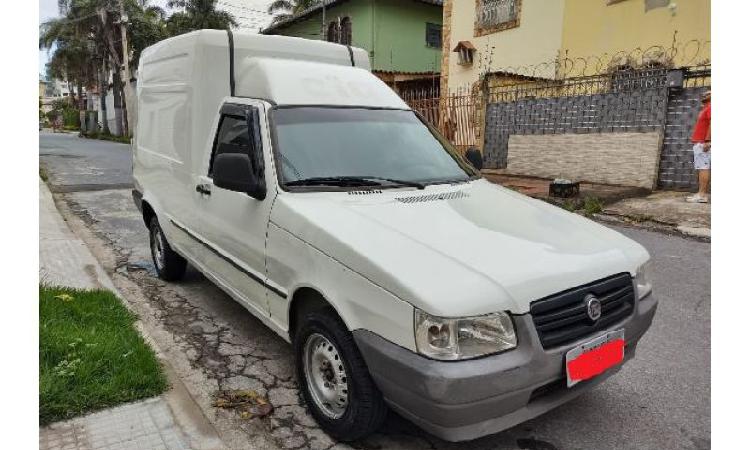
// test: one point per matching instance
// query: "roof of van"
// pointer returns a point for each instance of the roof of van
(280, 69)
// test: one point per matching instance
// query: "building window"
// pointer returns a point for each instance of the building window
(332, 35)
(346, 31)
(340, 31)
(496, 15)
(465, 50)
(434, 35)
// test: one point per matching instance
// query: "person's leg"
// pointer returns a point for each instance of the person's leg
(700, 166)
(704, 178)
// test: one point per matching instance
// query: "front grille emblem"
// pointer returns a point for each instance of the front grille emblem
(593, 307)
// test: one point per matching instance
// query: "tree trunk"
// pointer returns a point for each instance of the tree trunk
(103, 96)
(81, 108)
(125, 117)
(117, 97)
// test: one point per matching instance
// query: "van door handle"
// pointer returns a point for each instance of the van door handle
(203, 189)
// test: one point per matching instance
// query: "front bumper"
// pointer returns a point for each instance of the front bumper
(462, 400)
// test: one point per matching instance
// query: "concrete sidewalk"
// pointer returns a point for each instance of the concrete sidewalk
(170, 421)
(661, 210)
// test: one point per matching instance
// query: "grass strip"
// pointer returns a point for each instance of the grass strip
(90, 354)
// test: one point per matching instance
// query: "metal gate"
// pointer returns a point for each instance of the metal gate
(683, 106)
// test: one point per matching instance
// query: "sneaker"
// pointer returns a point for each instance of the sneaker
(696, 199)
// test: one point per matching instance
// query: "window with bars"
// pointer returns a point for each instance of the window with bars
(340, 31)
(434, 35)
(496, 15)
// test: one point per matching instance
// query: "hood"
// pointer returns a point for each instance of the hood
(458, 250)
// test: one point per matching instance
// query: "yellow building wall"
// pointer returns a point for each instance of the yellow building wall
(594, 27)
(537, 39)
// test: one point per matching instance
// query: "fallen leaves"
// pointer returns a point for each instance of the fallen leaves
(65, 297)
(247, 403)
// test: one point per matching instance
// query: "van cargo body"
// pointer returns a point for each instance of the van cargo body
(305, 188)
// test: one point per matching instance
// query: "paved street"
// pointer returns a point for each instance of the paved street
(660, 400)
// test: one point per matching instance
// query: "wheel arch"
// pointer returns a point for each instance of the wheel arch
(147, 212)
(304, 299)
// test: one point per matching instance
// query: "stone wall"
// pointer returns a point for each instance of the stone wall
(630, 110)
(628, 159)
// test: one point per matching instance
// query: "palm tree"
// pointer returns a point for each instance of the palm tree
(146, 26)
(71, 36)
(197, 15)
(289, 8)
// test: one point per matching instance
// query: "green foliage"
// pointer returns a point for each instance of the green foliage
(285, 9)
(195, 15)
(592, 205)
(569, 205)
(107, 137)
(90, 355)
(71, 118)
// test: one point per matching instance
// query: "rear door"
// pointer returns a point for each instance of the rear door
(233, 224)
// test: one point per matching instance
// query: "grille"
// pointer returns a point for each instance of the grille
(432, 197)
(561, 318)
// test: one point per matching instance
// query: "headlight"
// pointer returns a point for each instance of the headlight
(463, 338)
(643, 280)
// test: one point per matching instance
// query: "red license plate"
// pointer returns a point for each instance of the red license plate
(594, 358)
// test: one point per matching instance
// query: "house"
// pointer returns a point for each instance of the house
(527, 37)
(604, 91)
(403, 37)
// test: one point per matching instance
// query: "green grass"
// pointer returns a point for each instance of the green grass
(592, 205)
(43, 174)
(107, 137)
(90, 355)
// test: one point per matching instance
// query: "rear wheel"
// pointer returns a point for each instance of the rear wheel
(334, 379)
(169, 265)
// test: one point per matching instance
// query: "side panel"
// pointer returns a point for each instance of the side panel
(162, 152)
(361, 304)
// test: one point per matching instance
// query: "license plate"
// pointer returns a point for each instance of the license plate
(594, 357)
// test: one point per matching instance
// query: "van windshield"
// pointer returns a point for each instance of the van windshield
(318, 146)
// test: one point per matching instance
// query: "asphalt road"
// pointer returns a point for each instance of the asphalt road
(660, 400)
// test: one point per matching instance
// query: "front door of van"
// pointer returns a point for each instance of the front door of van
(233, 224)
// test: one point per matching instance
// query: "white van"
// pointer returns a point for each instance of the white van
(305, 188)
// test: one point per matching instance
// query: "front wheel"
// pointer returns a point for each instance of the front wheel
(334, 379)
(170, 266)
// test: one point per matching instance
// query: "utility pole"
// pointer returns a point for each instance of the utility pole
(130, 103)
(324, 28)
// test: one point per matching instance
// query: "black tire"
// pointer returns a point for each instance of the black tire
(170, 266)
(366, 410)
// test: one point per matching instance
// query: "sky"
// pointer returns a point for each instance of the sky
(250, 14)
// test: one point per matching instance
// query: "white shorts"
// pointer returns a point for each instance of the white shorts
(701, 159)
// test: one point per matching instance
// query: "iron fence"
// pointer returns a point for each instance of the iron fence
(454, 114)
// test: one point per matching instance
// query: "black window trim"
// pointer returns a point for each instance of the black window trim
(462, 161)
(246, 113)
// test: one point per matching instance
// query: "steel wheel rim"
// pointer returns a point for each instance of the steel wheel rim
(157, 247)
(325, 376)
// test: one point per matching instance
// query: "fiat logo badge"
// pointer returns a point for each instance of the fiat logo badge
(593, 307)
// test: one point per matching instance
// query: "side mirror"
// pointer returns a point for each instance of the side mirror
(234, 172)
(475, 158)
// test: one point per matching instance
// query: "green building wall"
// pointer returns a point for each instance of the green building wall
(400, 43)
(392, 31)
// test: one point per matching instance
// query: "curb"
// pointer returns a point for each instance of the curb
(187, 414)
(697, 233)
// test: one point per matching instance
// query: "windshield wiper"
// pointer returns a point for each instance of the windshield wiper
(351, 181)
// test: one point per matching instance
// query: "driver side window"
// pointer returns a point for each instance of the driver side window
(233, 137)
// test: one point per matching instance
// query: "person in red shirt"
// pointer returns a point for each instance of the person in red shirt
(702, 150)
